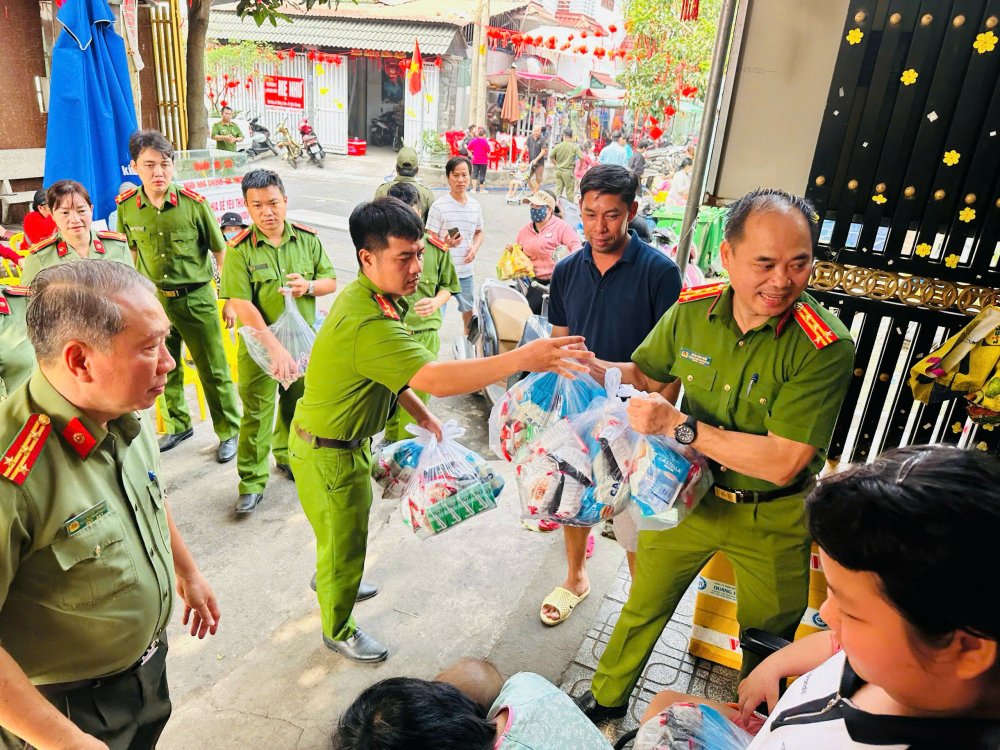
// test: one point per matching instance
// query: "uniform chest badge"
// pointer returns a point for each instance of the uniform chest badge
(699, 359)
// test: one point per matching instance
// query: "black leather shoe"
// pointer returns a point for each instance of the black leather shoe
(365, 591)
(227, 450)
(247, 503)
(286, 470)
(360, 647)
(169, 441)
(595, 711)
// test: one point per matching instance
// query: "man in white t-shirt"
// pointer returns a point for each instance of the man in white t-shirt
(457, 219)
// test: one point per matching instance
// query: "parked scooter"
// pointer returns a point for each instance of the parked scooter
(292, 150)
(385, 130)
(310, 143)
(260, 140)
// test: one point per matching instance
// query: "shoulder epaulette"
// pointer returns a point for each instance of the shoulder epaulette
(41, 245)
(304, 228)
(126, 195)
(17, 291)
(701, 292)
(388, 310)
(439, 244)
(818, 332)
(109, 235)
(191, 194)
(20, 457)
(239, 238)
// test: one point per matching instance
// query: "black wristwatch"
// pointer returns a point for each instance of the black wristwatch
(686, 433)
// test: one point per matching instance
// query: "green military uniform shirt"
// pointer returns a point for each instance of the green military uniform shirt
(255, 270)
(55, 250)
(86, 569)
(788, 376)
(424, 196)
(362, 358)
(565, 154)
(17, 357)
(173, 241)
(438, 273)
(230, 129)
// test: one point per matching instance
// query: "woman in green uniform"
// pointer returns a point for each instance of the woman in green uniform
(74, 239)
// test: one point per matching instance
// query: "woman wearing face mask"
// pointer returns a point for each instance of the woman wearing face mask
(73, 213)
(231, 224)
(540, 237)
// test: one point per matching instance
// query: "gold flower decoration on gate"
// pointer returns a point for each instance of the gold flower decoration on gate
(923, 250)
(855, 35)
(951, 158)
(967, 215)
(879, 198)
(984, 42)
(951, 261)
(909, 77)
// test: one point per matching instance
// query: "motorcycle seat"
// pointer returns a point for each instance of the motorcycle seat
(509, 318)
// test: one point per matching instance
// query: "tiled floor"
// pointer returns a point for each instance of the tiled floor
(671, 667)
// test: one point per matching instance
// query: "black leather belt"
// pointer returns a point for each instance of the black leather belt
(320, 442)
(56, 689)
(182, 291)
(763, 496)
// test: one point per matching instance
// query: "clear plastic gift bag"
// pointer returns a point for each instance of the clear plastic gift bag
(533, 404)
(663, 494)
(293, 334)
(692, 727)
(448, 483)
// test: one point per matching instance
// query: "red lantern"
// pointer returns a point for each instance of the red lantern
(208, 79)
(612, 28)
(337, 60)
(582, 49)
(404, 63)
(538, 40)
(438, 62)
(654, 120)
(570, 38)
(291, 54)
(311, 55)
(669, 111)
(225, 76)
(598, 33)
(655, 132)
(281, 55)
(515, 38)
(223, 103)
(599, 52)
(583, 34)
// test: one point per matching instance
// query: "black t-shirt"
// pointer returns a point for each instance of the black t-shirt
(638, 163)
(534, 147)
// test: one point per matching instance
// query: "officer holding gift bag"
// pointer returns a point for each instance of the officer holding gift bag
(364, 363)
(263, 259)
(765, 369)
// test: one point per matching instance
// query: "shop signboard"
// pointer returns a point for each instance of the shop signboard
(284, 93)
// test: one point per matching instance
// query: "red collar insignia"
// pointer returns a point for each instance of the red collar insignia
(62, 249)
(99, 247)
(388, 309)
(4, 305)
(79, 438)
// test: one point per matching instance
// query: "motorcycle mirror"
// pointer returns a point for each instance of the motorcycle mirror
(559, 253)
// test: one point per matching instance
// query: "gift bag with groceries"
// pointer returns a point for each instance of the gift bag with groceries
(439, 484)
(292, 333)
(533, 404)
(689, 725)
(592, 466)
(514, 264)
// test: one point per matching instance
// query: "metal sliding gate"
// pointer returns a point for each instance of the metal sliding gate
(905, 178)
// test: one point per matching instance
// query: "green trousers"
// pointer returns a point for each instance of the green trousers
(566, 184)
(194, 320)
(335, 489)
(126, 711)
(767, 545)
(260, 432)
(395, 428)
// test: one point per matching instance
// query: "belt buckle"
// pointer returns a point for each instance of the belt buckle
(729, 497)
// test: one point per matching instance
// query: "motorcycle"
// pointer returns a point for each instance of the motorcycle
(385, 130)
(260, 140)
(665, 240)
(292, 150)
(310, 143)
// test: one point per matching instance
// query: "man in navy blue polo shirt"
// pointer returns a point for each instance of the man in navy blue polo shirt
(613, 292)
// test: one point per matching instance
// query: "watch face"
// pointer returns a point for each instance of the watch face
(684, 434)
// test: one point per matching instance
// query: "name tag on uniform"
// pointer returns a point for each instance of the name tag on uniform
(137, 229)
(698, 359)
(78, 523)
(259, 267)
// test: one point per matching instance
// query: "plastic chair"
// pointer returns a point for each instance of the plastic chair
(454, 139)
(497, 152)
(504, 139)
(519, 149)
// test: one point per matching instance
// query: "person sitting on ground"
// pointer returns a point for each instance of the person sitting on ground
(38, 224)
(539, 239)
(911, 659)
(403, 713)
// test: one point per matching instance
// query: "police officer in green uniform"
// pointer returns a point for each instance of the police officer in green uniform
(265, 258)
(765, 369)
(363, 364)
(438, 281)
(17, 358)
(406, 171)
(74, 239)
(91, 557)
(225, 132)
(171, 231)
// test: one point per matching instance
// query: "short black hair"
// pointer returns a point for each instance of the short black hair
(140, 140)
(685, 162)
(403, 713)
(40, 199)
(616, 134)
(567, 132)
(258, 179)
(407, 171)
(405, 192)
(611, 179)
(763, 200)
(372, 223)
(645, 143)
(225, 107)
(453, 163)
(925, 520)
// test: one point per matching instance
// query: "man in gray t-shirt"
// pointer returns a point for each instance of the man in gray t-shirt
(536, 158)
(457, 219)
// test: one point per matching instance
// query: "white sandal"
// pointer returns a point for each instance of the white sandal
(563, 600)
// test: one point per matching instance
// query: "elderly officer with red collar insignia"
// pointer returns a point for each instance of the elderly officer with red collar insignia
(765, 369)
(171, 230)
(91, 556)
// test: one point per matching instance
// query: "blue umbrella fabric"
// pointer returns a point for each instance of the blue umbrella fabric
(91, 111)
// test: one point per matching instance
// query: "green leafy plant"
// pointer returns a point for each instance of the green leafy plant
(434, 143)
(229, 66)
(267, 10)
